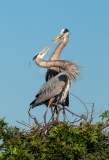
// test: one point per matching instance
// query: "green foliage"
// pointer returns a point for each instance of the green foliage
(63, 141)
(105, 115)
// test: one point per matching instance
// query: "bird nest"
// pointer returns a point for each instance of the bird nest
(43, 128)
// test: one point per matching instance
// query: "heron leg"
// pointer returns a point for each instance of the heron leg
(55, 109)
(45, 114)
(49, 104)
(53, 112)
(64, 113)
(61, 87)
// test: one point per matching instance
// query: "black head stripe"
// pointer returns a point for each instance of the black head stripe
(66, 30)
(35, 56)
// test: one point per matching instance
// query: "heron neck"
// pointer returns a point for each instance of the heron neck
(57, 52)
(70, 67)
(66, 39)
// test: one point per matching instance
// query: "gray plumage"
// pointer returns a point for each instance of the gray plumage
(53, 71)
(57, 86)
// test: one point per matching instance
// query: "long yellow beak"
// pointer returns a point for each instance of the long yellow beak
(45, 50)
(58, 38)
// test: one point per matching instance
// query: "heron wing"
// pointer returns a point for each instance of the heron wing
(50, 89)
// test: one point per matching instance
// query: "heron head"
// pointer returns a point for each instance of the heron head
(42, 53)
(64, 33)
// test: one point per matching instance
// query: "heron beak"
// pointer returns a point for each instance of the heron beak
(45, 50)
(58, 38)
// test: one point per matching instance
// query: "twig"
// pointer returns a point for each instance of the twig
(105, 126)
(35, 120)
(82, 116)
(76, 121)
(25, 124)
(47, 127)
(96, 115)
(82, 103)
(92, 113)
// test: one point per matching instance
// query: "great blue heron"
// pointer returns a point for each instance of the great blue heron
(56, 89)
(53, 71)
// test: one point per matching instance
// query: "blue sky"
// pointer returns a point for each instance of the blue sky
(26, 27)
